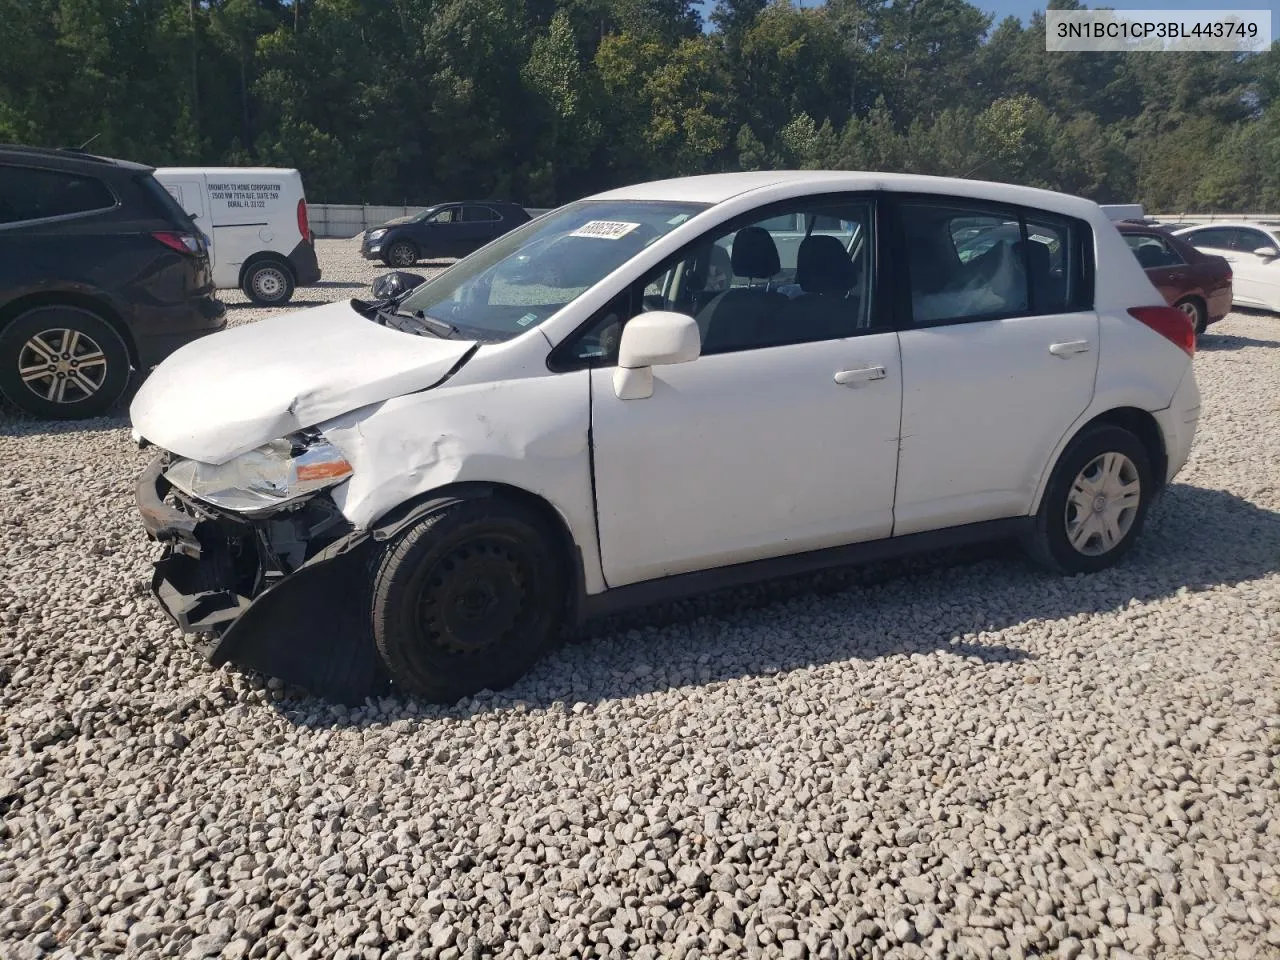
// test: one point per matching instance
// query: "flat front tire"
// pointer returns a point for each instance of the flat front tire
(62, 363)
(1095, 504)
(468, 599)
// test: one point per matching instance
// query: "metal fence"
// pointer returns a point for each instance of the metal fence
(345, 220)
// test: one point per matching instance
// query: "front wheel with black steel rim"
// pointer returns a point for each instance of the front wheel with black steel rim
(268, 283)
(1195, 311)
(1096, 502)
(402, 253)
(468, 599)
(62, 363)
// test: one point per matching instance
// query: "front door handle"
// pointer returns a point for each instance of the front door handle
(1069, 347)
(847, 378)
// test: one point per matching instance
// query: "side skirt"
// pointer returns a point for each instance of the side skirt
(686, 585)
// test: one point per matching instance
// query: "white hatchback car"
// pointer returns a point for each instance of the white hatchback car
(1252, 249)
(631, 398)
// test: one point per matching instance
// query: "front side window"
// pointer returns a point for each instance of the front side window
(734, 283)
(522, 278)
(1152, 251)
(964, 263)
(28, 194)
(1251, 240)
(447, 215)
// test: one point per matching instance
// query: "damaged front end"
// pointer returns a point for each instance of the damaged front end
(282, 588)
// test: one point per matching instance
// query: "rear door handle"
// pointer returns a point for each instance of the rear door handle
(1069, 347)
(847, 378)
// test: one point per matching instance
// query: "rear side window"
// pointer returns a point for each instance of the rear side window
(1152, 251)
(28, 194)
(965, 263)
(164, 202)
(1219, 238)
(472, 213)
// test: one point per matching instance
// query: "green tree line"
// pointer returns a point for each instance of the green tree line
(543, 101)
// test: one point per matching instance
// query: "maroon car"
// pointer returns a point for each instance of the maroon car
(1196, 283)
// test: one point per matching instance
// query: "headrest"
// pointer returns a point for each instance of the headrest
(755, 255)
(823, 266)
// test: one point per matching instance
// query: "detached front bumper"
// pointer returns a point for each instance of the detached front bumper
(286, 594)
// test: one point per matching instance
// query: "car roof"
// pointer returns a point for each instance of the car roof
(1235, 225)
(1129, 226)
(718, 187)
(233, 171)
(66, 158)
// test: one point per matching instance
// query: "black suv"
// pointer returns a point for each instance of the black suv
(445, 230)
(101, 273)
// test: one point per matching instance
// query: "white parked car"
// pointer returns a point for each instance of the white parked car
(1252, 249)
(255, 221)
(585, 414)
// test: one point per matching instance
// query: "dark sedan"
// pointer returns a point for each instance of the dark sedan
(1197, 283)
(445, 230)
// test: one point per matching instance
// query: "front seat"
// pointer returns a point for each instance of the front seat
(735, 319)
(824, 310)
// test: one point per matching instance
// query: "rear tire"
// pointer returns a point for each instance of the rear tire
(1194, 309)
(61, 362)
(268, 283)
(468, 599)
(1095, 504)
(402, 253)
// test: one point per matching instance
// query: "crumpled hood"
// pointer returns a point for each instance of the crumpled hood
(231, 391)
(392, 222)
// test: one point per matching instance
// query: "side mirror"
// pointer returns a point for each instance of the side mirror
(650, 340)
(1267, 253)
(391, 285)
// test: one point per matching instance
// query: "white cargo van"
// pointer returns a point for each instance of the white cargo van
(255, 219)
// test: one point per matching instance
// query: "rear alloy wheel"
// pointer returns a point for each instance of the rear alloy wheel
(62, 363)
(268, 284)
(1194, 309)
(402, 253)
(468, 599)
(1096, 502)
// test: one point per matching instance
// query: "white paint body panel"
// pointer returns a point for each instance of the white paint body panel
(983, 406)
(741, 456)
(240, 221)
(224, 394)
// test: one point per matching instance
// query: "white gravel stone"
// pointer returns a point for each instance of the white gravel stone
(955, 756)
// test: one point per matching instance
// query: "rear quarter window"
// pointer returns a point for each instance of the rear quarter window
(30, 194)
(163, 203)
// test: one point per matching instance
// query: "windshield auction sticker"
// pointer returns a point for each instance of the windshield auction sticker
(605, 229)
(1143, 31)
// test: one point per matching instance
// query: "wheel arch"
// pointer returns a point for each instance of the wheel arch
(1141, 423)
(402, 516)
(97, 305)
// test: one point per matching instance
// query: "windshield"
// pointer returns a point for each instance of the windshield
(525, 276)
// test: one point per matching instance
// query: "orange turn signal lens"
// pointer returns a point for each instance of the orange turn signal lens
(326, 470)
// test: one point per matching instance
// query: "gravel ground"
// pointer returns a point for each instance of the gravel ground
(964, 759)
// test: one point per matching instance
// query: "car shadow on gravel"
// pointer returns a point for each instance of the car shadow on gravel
(1196, 539)
(1213, 343)
(16, 423)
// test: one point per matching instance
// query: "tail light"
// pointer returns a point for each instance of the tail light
(1171, 323)
(182, 242)
(304, 227)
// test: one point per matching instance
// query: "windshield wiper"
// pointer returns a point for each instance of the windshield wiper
(441, 328)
